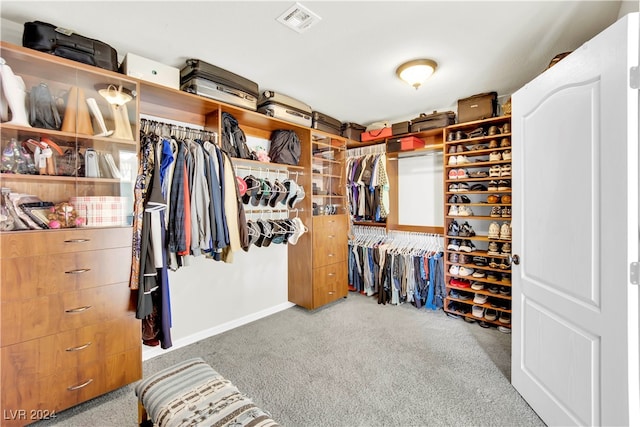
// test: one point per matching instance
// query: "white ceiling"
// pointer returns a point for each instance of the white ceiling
(345, 65)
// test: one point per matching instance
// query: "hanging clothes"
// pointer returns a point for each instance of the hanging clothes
(367, 187)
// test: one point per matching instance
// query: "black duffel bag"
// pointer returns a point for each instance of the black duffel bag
(67, 44)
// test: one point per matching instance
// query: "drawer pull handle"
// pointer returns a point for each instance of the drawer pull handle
(77, 240)
(331, 293)
(80, 347)
(331, 274)
(78, 309)
(331, 236)
(84, 384)
(78, 271)
(330, 254)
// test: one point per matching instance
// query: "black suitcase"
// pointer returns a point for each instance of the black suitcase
(352, 131)
(326, 123)
(213, 82)
(66, 44)
(433, 121)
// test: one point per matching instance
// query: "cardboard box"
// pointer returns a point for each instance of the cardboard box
(151, 71)
(100, 211)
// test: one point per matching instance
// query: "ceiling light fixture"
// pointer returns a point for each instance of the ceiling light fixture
(417, 71)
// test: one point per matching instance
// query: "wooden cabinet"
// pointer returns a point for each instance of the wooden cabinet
(478, 220)
(330, 246)
(68, 331)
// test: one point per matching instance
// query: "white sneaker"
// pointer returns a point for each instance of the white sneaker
(495, 156)
(480, 298)
(467, 246)
(464, 211)
(454, 269)
(494, 171)
(477, 311)
(461, 160)
(453, 174)
(505, 231)
(465, 271)
(452, 161)
(505, 170)
(453, 210)
(506, 155)
(494, 230)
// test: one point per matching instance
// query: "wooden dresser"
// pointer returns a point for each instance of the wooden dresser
(330, 248)
(68, 327)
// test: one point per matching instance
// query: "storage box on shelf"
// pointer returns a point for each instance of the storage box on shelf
(68, 330)
(477, 157)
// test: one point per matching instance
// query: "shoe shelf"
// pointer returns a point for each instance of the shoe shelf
(492, 306)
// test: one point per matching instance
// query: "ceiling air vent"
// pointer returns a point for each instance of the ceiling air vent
(298, 18)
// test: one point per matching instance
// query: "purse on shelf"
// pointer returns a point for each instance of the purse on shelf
(43, 110)
(71, 163)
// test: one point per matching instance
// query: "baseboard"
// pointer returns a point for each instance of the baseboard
(151, 352)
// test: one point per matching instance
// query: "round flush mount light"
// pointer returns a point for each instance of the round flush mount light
(417, 71)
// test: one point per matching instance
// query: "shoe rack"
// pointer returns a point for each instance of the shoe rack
(477, 157)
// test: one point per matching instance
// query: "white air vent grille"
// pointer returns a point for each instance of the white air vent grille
(299, 18)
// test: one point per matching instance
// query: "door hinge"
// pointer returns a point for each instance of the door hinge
(634, 272)
(634, 77)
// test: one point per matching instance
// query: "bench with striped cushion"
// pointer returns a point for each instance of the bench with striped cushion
(192, 393)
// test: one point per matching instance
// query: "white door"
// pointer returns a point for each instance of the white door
(575, 231)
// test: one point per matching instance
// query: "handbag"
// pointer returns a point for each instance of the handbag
(43, 111)
(71, 163)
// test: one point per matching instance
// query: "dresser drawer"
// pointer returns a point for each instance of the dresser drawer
(47, 355)
(32, 318)
(31, 243)
(329, 283)
(329, 248)
(30, 277)
(43, 394)
(328, 223)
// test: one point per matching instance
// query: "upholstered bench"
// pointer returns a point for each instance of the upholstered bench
(192, 393)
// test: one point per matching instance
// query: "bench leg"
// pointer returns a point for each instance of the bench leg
(143, 419)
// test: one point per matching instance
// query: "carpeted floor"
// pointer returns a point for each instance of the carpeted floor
(352, 363)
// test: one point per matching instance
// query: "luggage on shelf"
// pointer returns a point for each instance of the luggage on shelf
(65, 43)
(283, 107)
(400, 128)
(477, 107)
(433, 121)
(326, 123)
(352, 131)
(213, 82)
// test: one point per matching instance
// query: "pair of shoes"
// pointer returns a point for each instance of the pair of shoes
(495, 156)
(505, 170)
(504, 265)
(454, 245)
(461, 160)
(459, 283)
(505, 142)
(495, 171)
(455, 210)
(505, 318)
(495, 212)
(478, 174)
(506, 128)
(506, 155)
(505, 231)
(461, 187)
(478, 274)
(454, 257)
(467, 246)
(505, 290)
(458, 174)
(493, 185)
(505, 212)
(466, 230)
(480, 298)
(493, 143)
(464, 259)
(459, 199)
(454, 269)
(477, 286)
(493, 130)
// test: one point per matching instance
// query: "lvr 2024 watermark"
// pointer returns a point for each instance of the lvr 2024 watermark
(27, 414)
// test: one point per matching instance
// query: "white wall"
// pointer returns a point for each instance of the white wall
(209, 297)
(420, 190)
